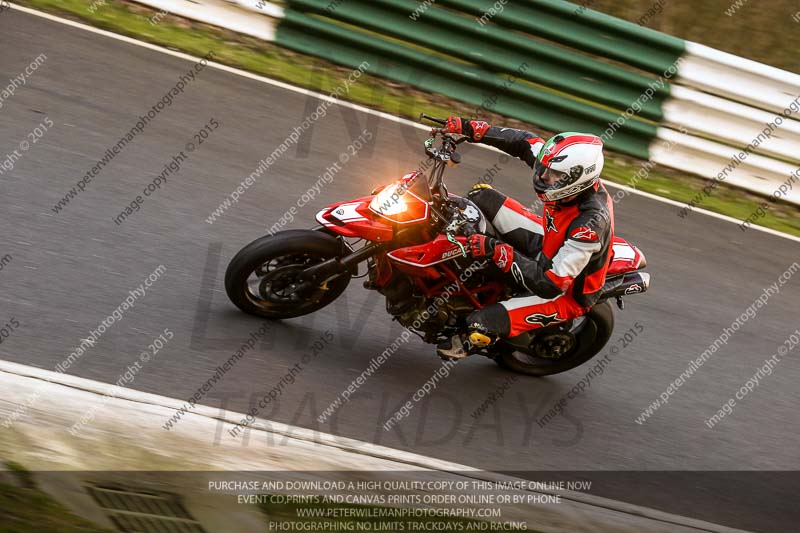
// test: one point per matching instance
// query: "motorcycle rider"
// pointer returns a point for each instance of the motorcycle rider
(560, 262)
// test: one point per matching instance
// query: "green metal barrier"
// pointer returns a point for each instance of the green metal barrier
(498, 50)
(572, 25)
(447, 51)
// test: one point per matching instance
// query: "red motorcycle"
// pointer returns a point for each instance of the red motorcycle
(412, 236)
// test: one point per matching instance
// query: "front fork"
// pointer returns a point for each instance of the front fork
(315, 275)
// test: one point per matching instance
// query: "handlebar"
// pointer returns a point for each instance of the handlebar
(443, 155)
(454, 137)
(443, 122)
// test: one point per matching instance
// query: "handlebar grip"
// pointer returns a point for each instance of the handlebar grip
(433, 119)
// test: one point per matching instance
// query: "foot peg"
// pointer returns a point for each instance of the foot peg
(451, 349)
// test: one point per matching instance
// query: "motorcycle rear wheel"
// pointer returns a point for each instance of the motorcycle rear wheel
(275, 260)
(590, 337)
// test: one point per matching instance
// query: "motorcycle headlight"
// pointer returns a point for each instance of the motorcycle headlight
(390, 201)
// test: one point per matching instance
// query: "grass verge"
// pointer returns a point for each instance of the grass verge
(29, 510)
(276, 62)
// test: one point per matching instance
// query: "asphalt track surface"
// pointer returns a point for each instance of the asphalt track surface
(71, 270)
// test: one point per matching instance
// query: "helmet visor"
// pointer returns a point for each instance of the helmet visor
(545, 177)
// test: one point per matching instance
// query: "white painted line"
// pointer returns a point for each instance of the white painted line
(350, 105)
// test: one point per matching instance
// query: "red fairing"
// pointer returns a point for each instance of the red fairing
(383, 270)
(398, 204)
(627, 258)
(354, 219)
(418, 260)
(375, 217)
(428, 264)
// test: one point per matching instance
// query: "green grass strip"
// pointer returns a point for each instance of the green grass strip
(29, 510)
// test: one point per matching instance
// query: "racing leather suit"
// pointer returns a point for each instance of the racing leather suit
(560, 262)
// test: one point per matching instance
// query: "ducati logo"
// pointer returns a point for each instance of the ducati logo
(550, 221)
(542, 319)
(451, 253)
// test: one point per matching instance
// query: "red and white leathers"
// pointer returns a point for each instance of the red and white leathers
(561, 261)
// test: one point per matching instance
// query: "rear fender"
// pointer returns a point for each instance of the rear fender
(627, 258)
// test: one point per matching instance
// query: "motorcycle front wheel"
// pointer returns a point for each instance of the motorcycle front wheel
(262, 279)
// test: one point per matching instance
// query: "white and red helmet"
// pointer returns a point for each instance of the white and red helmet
(567, 164)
